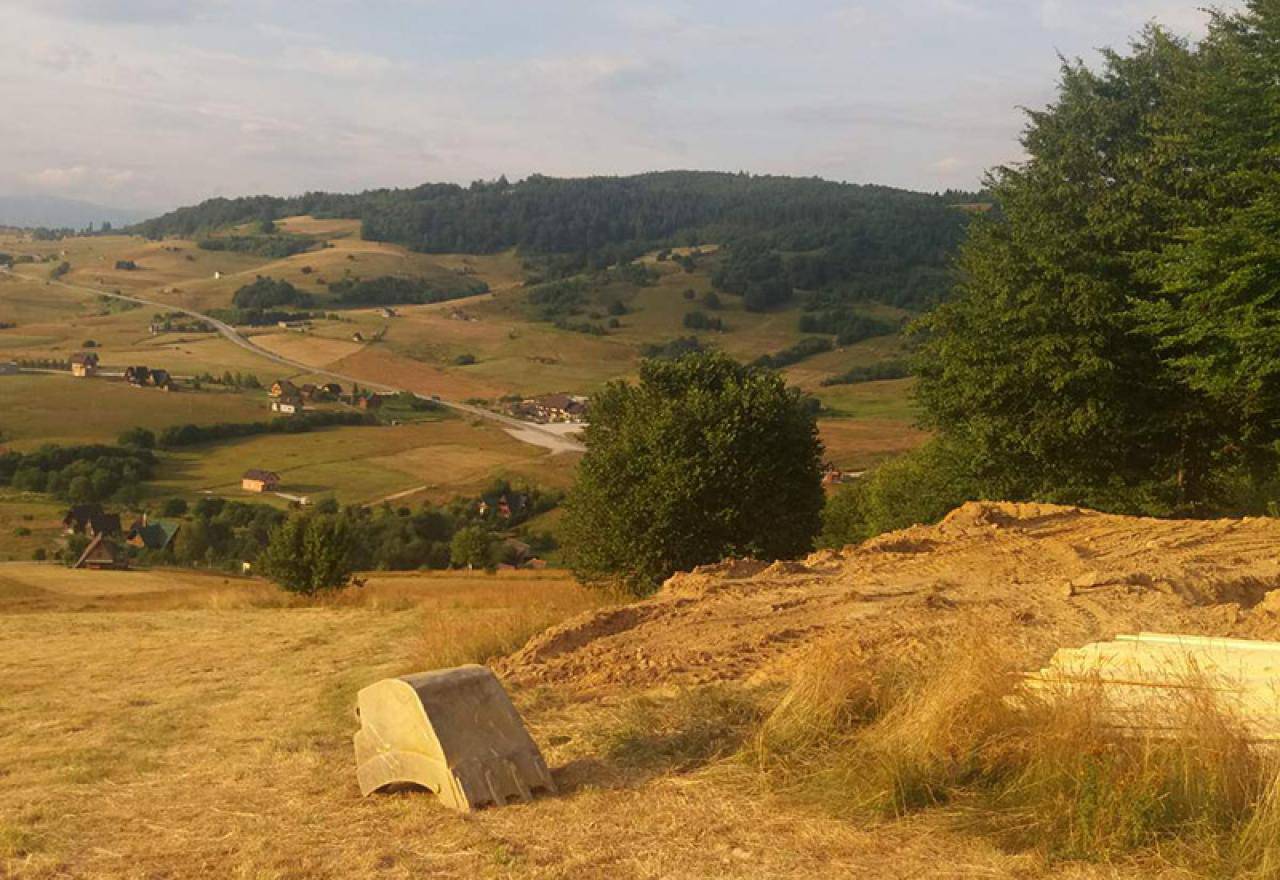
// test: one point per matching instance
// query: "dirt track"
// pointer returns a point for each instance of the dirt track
(1033, 576)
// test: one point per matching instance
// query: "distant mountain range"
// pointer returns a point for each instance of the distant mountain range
(58, 213)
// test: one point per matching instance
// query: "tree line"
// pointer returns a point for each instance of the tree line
(1114, 337)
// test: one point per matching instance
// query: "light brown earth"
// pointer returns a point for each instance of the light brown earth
(1039, 576)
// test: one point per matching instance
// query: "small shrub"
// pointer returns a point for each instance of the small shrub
(22, 532)
(920, 487)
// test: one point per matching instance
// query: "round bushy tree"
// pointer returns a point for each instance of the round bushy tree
(702, 459)
(310, 553)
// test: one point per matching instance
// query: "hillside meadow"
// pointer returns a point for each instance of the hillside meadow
(436, 460)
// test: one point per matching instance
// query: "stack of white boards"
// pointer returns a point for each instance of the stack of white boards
(1157, 684)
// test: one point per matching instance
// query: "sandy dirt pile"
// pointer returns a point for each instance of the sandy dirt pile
(1035, 577)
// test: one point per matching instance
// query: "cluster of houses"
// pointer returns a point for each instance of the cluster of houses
(289, 399)
(146, 377)
(85, 364)
(108, 537)
(551, 408)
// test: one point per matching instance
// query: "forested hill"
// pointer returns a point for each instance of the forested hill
(822, 233)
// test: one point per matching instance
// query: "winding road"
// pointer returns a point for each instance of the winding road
(525, 432)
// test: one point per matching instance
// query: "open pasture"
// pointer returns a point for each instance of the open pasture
(57, 408)
(360, 465)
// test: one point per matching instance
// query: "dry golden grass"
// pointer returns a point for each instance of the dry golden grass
(213, 740)
(858, 444)
(1048, 772)
(36, 409)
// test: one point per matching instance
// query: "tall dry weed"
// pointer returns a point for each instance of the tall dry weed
(1062, 771)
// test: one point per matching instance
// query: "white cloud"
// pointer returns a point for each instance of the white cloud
(80, 178)
(1181, 16)
(323, 61)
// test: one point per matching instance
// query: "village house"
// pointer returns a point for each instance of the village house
(287, 406)
(84, 364)
(255, 480)
(503, 506)
(332, 389)
(137, 376)
(367, 402)
(152, 534)
(90, 520)
(552, 408)
(102, 554)
(833, 476)
(162, 379)
(284, 388)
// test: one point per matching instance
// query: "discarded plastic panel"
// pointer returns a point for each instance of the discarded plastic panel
(453, 731)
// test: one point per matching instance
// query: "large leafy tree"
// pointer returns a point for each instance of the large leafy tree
(1113, 340)
(701, 459)
(311, 553)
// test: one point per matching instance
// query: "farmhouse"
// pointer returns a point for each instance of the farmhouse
(503, 506)
(101, 554)
(162, 380)
(284, 388)
(552, 408)
(255, 480)
(84, 364)
(152, 534)
(137, 376)
(287, 406)
(368, 402)
(91, 520)
(333, 389)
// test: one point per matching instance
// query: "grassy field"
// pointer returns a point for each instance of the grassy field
(28, 521)
(179, 725)
(57, 408)
(359, 465)
(512, 352)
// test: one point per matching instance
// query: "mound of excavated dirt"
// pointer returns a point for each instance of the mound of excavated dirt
(1032, 576)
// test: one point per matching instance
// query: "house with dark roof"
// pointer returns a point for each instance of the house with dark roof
(284, 388)
(255, 480)
(152, 534)
(84, 364)
(90, 520)
(162, 380)
(102, 553)
(503, 506)
(137, 376)
(552, 408)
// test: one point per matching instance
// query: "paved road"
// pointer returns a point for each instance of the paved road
(526, 432)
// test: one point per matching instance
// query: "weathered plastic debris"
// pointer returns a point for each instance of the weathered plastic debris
(453, 731)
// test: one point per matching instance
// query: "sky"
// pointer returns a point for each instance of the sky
(154, 103)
